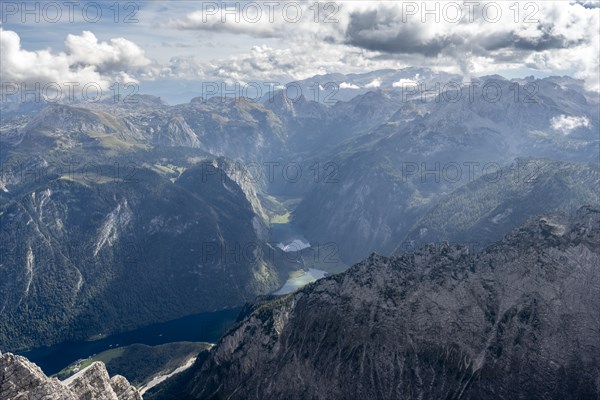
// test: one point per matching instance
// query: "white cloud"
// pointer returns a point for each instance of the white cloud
(346, 85)
(566, 124)
(375, 83)
(119, 54)
(19, 65)
(404, 83)
(84, 61)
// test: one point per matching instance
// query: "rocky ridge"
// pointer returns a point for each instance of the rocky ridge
(519, 320)
(23, 380)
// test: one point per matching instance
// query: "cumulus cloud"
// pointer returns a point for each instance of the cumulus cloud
(566, 123)
(19, 65)
(84, 61)
(118, 55)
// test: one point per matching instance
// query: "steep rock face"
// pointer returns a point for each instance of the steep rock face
(235, 128)
(520, 320)
(175, 132)
(23, 380)
(387, 179)
(93, 383)
(314, 127)
(483, 211)
(81, 257)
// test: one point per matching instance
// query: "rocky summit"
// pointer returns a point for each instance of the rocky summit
(519, 320)
(23, 380)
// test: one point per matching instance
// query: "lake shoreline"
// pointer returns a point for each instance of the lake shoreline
(201, 327)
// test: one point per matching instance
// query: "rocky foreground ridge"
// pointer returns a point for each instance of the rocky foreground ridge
(520, 320)
(23, 380)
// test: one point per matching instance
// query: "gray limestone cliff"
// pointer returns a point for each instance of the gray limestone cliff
(22, 380)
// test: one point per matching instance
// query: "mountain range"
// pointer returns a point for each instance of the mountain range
(129, 211)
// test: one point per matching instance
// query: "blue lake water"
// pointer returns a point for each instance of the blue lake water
(204, 327)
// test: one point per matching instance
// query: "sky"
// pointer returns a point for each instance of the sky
(156, 44)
